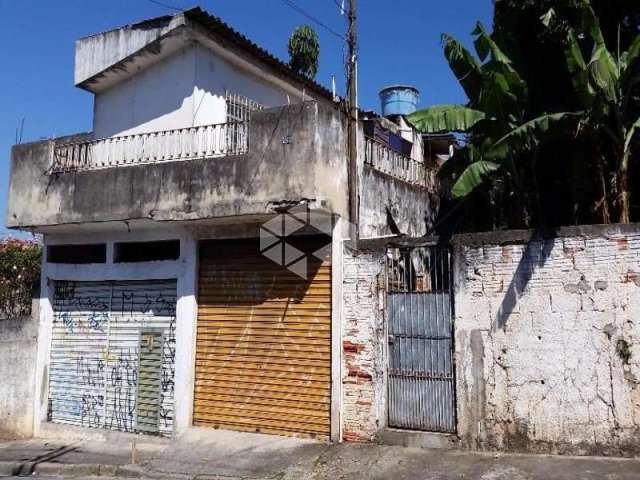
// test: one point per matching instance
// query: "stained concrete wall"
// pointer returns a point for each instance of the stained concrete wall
(309, 165)
(97, 52)
(18, 344)
(383, 198)
(387, 203)
(547, 340)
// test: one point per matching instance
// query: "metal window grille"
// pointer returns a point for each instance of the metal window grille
(239, 107)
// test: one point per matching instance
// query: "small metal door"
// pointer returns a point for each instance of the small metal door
(421, 382)
(149, 381)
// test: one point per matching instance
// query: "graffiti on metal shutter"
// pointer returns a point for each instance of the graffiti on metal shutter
(96, 353)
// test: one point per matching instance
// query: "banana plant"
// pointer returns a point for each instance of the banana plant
(500, 136)
(495, 118)
(607, 86)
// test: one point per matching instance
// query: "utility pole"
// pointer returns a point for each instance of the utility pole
(352, 131)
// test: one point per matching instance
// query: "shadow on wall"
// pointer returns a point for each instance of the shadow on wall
(535, 255)
(153, 99)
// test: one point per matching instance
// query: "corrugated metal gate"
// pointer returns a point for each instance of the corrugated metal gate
(263, 348)
(99, 375)
(421, 371)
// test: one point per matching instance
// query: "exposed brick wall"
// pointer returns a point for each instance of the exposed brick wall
(363, 354)
(547, 342)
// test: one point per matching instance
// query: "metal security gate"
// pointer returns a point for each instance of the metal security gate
(102, 373)
(263, 347)
(421, 372)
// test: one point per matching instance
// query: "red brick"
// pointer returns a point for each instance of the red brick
(350, 347)
(357, 373)
(354, 437)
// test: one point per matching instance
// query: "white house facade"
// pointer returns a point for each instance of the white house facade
(193, 242)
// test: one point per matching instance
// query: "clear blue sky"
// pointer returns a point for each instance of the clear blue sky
(399, 42)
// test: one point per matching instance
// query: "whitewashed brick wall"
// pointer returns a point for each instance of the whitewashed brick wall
(547, 341)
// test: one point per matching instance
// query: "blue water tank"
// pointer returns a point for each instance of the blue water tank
(399, 100)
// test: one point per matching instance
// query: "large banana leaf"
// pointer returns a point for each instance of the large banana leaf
(501, 97)
(630, 66)
(472, 177)
(445, 118)
(632, 54)
(484, 45)
(603, 68)
(578, 69)
(531, 134)
(504, 92)
(590, 22)
(630, 135)
(464, 66)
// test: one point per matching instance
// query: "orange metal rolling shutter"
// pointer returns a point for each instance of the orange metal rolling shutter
(263, 348)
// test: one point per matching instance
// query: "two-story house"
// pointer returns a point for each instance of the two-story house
(193, 241)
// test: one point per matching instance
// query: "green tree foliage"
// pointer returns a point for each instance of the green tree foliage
(551, 118)
(606, 84)
(304, 50)
(19, 275)
(501, 131)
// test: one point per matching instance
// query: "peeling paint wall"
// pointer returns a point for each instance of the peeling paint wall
(547, 333)
(309, 165)
(547, 341)
(382, 197)
(384, 200)
(97, 52)
(363, 385)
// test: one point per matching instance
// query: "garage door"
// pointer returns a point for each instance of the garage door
(263, 348)
(113, 355)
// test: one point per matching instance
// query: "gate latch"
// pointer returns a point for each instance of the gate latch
(392, 339)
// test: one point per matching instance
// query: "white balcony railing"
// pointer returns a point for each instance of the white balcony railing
(383, 159)
(190, 143)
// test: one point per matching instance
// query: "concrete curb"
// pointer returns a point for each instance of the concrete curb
(83, 470)
(9, 468)
(74, 470)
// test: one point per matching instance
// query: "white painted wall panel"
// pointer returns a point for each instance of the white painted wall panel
(186, 89)
(158, 98)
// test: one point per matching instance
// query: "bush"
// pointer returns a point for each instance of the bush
(19, 275)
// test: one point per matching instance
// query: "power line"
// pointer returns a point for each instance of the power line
(295, 7)
(161, 4)
(340, 5)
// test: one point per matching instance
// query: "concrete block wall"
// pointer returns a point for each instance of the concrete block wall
(363, 370)
(548, 340)
(18, 344)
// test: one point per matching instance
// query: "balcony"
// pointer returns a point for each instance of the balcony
(191, 143)
(285, 155)
(383, 159)
(395, 186)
